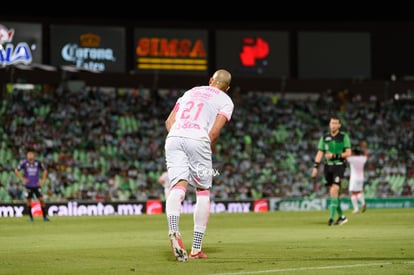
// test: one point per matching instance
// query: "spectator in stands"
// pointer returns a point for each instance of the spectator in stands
(121, 130)
(406, 190)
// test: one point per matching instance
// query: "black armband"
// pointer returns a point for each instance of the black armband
(315, 164)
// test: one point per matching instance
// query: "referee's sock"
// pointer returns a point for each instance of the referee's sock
(333, 207)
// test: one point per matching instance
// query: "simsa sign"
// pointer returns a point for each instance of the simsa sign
(171, 51)
(91, 48)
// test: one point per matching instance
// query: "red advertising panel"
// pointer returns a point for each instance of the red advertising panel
(171, 51)
(153, 207)
(92, 48)
(253, 53)
(36, 209)
(261, 205)
(334, 55)
(20, 43)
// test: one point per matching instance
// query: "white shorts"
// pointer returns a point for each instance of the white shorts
(356, 185)
(190, 160)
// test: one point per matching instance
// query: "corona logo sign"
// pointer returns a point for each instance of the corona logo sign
(253, 49)
(9, 54)
(88, 54)
(155, 53)
(89, 40)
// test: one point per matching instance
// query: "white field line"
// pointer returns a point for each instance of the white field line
(302, 269)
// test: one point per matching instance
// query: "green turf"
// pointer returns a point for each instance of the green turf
(380, 241)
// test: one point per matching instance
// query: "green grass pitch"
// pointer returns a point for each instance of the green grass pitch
(379, 241)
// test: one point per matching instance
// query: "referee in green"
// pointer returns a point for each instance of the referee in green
(334, 147)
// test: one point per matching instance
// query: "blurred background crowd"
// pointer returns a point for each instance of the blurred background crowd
(108, 145)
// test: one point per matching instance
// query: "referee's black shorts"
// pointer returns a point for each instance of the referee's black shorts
(334, 173)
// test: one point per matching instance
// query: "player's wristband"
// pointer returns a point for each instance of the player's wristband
(315, 164)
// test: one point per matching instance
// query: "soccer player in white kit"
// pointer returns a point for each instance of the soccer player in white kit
(194, 126)
(356, 179)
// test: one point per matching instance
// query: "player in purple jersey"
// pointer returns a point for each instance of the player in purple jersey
(33, 168)
(194, 127)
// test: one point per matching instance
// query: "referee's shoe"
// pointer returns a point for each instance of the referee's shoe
(341, 220)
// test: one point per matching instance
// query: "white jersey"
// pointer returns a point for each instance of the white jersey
(197, 110)
(356, 178)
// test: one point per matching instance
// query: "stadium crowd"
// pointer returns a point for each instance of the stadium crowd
(108, 144)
